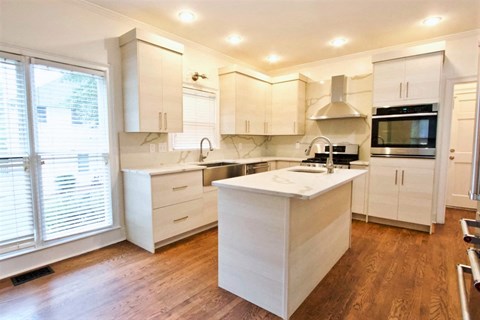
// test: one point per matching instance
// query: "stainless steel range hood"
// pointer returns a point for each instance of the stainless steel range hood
(337, 108)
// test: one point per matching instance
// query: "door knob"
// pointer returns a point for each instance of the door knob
(451, 157)
(452, 150)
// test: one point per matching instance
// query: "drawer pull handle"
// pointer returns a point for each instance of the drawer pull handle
(180, 219)
(179, 188)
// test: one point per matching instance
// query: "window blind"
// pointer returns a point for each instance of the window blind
(199, 119)
(71, 130)
(16, 211)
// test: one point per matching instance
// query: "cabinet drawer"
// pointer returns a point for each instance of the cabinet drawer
(176, 219)
(175, 188)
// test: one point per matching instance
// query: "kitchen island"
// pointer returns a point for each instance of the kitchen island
(280, 232)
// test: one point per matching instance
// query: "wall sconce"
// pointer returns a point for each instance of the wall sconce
(196, 75)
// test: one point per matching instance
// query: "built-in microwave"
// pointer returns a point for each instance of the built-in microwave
(406, 131)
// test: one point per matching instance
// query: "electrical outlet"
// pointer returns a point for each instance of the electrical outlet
(297, 145)
(162, 147)
(240, 146)
(152, 147)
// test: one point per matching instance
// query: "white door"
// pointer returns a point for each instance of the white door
(461, 143)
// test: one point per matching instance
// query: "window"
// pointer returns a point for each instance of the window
(54, 171)
(199, 120)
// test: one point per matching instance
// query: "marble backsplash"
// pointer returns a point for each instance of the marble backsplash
(359, 94)
(135, 150)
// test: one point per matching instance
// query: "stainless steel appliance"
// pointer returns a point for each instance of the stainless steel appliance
(257, 167)
(337, 108)
(343, 154)
(407, 131)
(470, 290)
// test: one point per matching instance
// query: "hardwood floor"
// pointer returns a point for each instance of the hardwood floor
(389, 273)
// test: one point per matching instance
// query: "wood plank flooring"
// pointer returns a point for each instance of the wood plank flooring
(389, 273)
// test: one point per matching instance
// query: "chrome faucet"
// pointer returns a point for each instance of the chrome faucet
(330, 151)
(202, 157)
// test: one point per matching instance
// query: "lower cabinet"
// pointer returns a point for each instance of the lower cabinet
(286, 164)
(163, 208)
(401, 189)
(359, 191)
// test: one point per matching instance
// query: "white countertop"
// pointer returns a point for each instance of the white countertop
(173, 168)
(165, 169)
(359, 163)
(287, 183)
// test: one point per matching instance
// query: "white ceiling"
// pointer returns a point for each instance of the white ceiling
(299, 30)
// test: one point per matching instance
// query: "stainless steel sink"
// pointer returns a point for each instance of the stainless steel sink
(309, 170)
(221, 170)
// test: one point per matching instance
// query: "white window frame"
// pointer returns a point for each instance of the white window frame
(113, 156)
(216, 140)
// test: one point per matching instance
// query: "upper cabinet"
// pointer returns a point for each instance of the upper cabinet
(152, 82)
(254, 104)
(244, 100)
(288, 105)
(410, 80)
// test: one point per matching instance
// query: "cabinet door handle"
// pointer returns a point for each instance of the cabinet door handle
(294, 126)
(179, 188)
(396, 174)
(166, 121)
(400, 91)
(265, 130)
(246, 126)
(160, 121)
(403, 173)
(180, 219)
(406, 91)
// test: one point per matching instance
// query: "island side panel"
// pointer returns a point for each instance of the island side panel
(319, 236)
(252, 247)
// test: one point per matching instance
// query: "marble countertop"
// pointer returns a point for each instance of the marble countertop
(173, 168)
(360, 163)
(165, 169)
(289, 183)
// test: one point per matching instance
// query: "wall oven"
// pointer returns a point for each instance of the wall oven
(407, 131)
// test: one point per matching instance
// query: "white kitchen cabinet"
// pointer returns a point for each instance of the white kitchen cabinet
(254, 104)
(409, 80)
(281, 164)
(244, 99)
(152, 82)
(359, 191)
(163, 208)
(401, 189)
(288, 106)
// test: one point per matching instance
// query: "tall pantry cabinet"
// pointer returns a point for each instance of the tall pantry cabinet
(152, 75)
(408, 80)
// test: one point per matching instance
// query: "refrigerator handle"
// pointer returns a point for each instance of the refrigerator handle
(474, 192)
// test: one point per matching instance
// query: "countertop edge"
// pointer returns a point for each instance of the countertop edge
(321, 190)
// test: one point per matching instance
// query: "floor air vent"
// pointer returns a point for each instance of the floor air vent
(32, 275)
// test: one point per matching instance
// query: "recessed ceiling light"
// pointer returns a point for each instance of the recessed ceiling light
(273, 58)
(186, 16)
(234, 39)
(338, 42)
(432, 21)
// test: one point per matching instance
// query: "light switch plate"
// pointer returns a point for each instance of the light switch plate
(152, 147)
(162, 147)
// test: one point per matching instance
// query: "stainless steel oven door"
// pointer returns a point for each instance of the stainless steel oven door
(404, 135)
